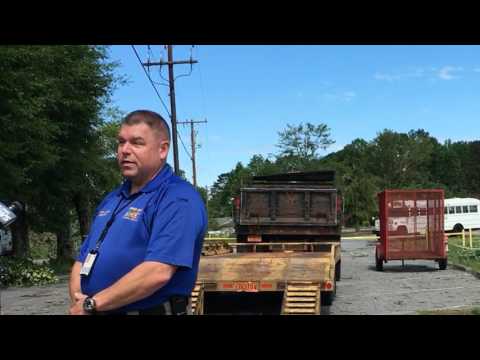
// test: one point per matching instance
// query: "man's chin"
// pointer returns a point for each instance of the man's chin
(128, 174)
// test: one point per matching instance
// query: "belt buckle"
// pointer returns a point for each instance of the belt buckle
(134, 312)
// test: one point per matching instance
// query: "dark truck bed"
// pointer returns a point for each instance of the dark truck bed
(295, 206)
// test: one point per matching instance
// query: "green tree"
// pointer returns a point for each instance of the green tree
(304, 141)
(52, 102)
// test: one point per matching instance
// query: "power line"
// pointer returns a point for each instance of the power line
(150, 79)
(184, 147)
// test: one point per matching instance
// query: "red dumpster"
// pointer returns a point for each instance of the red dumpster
(411, 226)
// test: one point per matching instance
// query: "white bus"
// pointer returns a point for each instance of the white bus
(462, 213)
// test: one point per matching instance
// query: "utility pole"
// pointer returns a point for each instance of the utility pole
(173, 110)
(192, 140)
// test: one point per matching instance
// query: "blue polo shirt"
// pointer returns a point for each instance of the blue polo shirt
(165, 222)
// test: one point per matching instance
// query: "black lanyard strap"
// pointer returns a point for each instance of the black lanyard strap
(110, 222)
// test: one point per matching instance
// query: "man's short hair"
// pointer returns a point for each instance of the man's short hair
(151, 118)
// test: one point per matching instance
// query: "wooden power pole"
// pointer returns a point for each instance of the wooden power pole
(173, 110)
(192, 141)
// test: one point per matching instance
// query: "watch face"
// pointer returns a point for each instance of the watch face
(89, 304)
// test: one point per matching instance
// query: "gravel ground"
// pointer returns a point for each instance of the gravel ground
(362, 291)
(419, 285)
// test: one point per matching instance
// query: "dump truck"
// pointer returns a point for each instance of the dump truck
(286, 258)
(411, 227)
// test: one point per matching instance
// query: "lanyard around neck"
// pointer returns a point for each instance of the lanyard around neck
(110, 221)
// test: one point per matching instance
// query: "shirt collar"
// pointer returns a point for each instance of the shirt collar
(164, 174)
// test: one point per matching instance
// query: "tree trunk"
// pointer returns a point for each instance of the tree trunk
(64, 242)
(20, 240)
(82, 207)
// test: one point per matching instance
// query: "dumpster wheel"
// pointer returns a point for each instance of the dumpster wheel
(442, 264)
(378, 262)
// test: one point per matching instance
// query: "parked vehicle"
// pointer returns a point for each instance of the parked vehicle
(287, 256)
(462, 213)
(411, 227)
(6, 245)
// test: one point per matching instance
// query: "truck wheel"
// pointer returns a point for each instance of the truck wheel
(442, 264)
(327, 298)
(378, 263)
(338, 270)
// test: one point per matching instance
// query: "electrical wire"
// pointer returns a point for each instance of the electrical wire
(150, 79)
(184, 147)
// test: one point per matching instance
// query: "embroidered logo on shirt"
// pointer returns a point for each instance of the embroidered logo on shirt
(132, 214)
(103, 212)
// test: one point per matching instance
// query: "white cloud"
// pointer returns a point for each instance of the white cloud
(446, 72)
(386, 77)
(414, 72)
(345, 96)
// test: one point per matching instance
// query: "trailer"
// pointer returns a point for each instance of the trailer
(411, 227)
(286, 258)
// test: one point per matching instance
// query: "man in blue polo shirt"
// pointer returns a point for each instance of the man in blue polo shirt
(142, 253)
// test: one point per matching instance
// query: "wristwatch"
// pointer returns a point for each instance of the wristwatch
(89, 305)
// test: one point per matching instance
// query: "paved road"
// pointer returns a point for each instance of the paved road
(36, 300)
(397, 290)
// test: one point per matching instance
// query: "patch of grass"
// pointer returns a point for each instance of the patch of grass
(459, 255)
(24, 272)
(457, 311)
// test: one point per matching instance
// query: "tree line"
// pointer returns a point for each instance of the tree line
(58, 130)
(392, 160)
(58, 139)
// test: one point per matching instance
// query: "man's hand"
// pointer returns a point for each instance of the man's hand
(77, 307)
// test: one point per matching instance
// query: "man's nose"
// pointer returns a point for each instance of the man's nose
(125, 148)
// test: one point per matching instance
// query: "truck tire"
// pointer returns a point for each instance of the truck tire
(442, 264)
(338, 270)
(378, 262)
(327, 298)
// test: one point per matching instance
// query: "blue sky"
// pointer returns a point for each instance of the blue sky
(250, 93)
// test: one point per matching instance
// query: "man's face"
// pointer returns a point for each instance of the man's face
(141, 152)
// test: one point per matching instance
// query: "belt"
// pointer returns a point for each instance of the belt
(176, 305)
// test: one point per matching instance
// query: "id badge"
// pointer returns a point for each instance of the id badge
(88, 263)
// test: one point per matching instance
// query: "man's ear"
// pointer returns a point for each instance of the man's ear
(164, 147)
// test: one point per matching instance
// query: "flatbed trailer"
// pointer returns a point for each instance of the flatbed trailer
(300, 279)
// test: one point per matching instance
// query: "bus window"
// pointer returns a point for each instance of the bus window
(451, 210)
(446, 212)
(465, 209)
(458, 209)
(473, 208)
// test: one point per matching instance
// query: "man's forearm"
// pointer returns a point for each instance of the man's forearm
(139, 283)
(74, 284)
